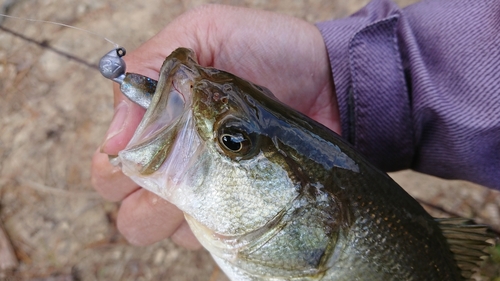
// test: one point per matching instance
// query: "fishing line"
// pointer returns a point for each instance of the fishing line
(64, 25)
(111, 65)
(44, 44)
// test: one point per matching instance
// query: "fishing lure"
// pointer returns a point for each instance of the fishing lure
(138, 88)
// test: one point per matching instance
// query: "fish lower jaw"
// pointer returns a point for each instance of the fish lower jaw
(229, 247)
(218, 245)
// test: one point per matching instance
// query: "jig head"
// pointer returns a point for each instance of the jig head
(137, 88)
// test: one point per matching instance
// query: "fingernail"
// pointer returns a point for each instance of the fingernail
(117, 124)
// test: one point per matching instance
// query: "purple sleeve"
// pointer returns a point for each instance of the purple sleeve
(419, 87)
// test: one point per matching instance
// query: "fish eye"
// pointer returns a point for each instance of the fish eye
(235, 142)
(236, 139)
(232, 142)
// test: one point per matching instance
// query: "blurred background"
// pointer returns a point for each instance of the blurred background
(54, 110)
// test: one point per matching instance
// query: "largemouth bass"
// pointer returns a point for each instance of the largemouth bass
(274, 195)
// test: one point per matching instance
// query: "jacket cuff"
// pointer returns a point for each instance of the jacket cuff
(369, 77)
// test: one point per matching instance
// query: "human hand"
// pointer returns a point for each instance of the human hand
(282, 53)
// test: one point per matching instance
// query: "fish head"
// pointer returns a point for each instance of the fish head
(202, 146)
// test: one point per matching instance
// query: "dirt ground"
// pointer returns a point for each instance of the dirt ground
(54, 111)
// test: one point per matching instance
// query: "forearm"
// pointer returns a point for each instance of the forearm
(417, 88)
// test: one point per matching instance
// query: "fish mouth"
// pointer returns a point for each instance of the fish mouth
(161, 123)
(156, 133)
(158, 152)
(161, 115)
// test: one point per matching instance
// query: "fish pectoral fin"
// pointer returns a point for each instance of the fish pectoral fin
(468, 242)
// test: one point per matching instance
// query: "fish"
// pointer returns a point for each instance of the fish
(275, 195)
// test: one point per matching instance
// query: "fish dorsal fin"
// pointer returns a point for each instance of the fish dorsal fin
(467, 241)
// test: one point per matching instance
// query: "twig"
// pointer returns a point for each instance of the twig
(52, 190)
